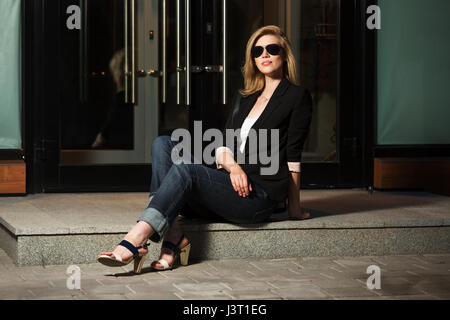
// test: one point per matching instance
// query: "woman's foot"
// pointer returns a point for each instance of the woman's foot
(167, 254)
(137, 236)
(299, 214)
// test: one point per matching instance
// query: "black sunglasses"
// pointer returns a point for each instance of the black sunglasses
(273, 49)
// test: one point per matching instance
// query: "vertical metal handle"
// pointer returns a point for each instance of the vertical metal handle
(224, 52)
(188, 51)
(127, 58)
(83, 52)
(130, 56)
(164, 51)
(178, 70)
(133, 53)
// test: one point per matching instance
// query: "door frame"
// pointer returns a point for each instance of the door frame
(146, 109)
(41, 112)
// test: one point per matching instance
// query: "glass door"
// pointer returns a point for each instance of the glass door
(137, 69)
(111, 103)
(219, 32)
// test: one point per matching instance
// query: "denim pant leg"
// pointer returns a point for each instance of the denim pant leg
(161, 161)
(210, 187)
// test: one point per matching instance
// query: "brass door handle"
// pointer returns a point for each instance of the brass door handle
(151, 73)
(155, 73)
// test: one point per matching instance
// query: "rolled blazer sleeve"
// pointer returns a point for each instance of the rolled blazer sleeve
(299, 127)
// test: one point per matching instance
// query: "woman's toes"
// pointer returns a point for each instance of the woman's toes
(105, 254)
(306, 215)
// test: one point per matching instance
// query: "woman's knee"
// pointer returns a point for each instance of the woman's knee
(161, 143)
(185, 169)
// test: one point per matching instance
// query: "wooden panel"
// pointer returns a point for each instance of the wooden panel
(429, 174)
(12, 177)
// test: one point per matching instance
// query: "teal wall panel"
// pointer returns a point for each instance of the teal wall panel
(10, 109)
(413, 72)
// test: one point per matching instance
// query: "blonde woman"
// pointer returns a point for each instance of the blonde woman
(234, 191)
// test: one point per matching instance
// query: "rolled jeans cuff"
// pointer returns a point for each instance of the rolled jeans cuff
(157, 221)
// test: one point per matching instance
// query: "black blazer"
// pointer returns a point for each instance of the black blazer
(289, 110)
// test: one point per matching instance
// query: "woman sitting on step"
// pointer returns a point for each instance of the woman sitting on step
(236, 192)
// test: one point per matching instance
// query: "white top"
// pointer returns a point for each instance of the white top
(245, 129)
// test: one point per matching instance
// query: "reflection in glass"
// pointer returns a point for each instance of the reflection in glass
(94, 113)
(317, 48)
(117, 131)
(173, 115)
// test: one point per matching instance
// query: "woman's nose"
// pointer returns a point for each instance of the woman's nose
(265, 53)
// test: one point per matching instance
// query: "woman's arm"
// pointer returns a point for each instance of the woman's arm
(294, 209)
(225, 159)
(297, 132)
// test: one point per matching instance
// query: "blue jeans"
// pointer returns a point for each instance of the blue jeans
(204, 190)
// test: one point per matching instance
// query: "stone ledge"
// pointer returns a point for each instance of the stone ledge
(73, 228)
(235, 244)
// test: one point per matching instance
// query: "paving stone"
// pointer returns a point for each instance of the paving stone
(142, 288)
(205, 275)
(152, 295)
(434, 288)
(274, 264)
(354, 263)
(246, 285)
(101, 297)
(204, 295)
(359, 298)
(337, 283)
(390, 290)
(15, 293)
(197, 287)
(437, 258)
(409, 297)
(251, 294)
(343, 292)
(53, 297)
(105, 290)
(48, 291)
(293, 278)
(303, 291)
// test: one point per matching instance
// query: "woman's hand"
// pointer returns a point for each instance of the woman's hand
(239, 181)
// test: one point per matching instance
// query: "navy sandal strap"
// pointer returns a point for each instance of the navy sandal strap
(130, 246)
(171, 246)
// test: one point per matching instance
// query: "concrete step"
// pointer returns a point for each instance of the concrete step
(47, 229)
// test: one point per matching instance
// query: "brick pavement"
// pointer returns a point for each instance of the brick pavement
(402, 277)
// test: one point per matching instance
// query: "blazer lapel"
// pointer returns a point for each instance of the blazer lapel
(244, 109)
(247, 104)
(273, 103)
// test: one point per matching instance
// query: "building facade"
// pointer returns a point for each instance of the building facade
(98, 80)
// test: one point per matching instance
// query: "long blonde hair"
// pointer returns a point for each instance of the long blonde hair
(254, 80)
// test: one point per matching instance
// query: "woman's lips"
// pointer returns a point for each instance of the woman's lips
(266, 63)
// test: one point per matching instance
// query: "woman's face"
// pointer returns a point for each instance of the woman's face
(269, 65)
